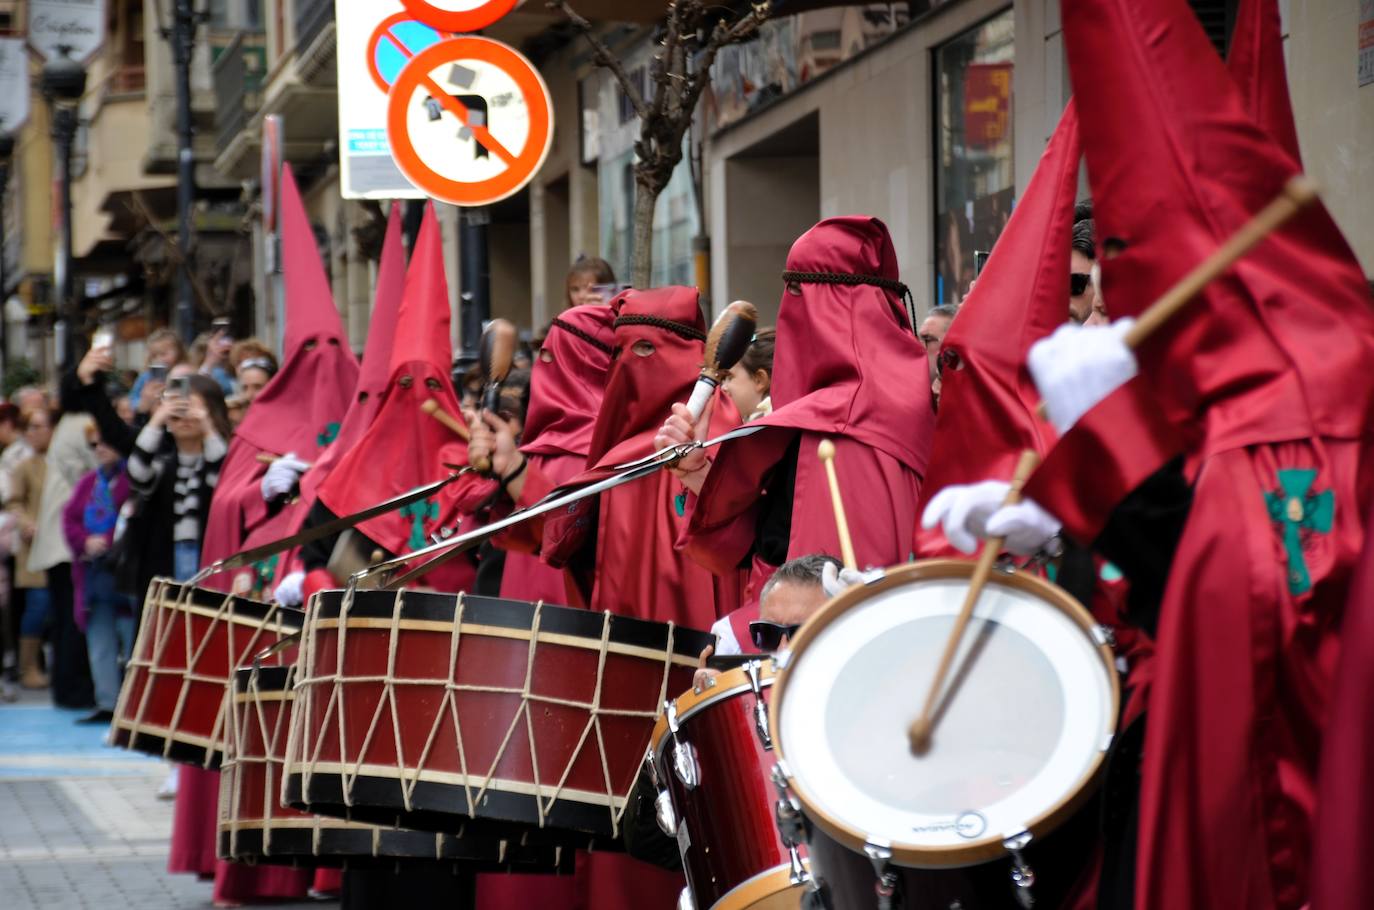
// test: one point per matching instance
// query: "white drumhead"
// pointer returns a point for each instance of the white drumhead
(1020, 726)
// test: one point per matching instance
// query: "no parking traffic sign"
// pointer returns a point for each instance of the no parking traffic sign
(469, 121)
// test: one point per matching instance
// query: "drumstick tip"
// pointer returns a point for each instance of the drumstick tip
(826, 450)
(919, 736)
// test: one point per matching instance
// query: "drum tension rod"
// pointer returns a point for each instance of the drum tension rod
(885, 888)
(1022, 875)
(760, 709)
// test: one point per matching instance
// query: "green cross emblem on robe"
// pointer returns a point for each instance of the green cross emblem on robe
(327, 435)
(418, 512)
(1295, 509)
(264, 570)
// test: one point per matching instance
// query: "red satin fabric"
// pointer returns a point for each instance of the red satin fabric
(1267, 370)
(568, 382)
(1266, 352)
(1255, 61)
(1345, 793)
(367, 399)
(628, 533)
(300, 409)
(841, 352)
(403, 447)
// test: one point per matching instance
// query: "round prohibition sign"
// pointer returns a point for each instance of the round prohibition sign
(403, 37)
(431, 162)
(473, 17)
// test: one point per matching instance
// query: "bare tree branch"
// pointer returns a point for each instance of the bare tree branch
(603, 56)
(178, 256)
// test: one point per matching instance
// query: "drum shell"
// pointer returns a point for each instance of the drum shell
(190, 641)
(1062, 863)
(731, 852)
(255, 828)
(404, 659)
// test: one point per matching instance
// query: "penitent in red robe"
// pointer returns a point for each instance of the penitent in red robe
(1266, 376)
(847, 367)
(299, 411)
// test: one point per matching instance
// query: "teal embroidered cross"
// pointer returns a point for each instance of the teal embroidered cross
(418, 512)
(327, 435)
(264, 570)
(1296, 509)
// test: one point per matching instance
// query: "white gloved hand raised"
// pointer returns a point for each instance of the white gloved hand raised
(1078, 366)
(834, 579)
(282, 475)
(1025, 526)
(963, 510)
(291, 591)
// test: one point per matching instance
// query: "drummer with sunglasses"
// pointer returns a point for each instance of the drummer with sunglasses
(795, 592)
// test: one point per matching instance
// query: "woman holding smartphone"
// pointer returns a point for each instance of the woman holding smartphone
(173, 470)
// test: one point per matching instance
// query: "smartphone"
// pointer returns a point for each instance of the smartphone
(222, 324)
(157, 372)
(179, 387)
(103, 340)
(607, 291)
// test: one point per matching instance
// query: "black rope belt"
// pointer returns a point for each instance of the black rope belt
(592, 340)
(851, 279)
(681, 329)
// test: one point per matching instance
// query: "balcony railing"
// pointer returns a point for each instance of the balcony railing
(312, 16)
(238, 74)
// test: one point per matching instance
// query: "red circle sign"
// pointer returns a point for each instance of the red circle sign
(458, 20)
(416, 85)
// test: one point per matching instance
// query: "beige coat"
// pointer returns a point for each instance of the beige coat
(26, 496)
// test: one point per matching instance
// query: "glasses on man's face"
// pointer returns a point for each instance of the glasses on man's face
(1078, 283)
(768, 636)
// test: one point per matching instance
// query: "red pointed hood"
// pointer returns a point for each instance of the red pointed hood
(404, 448)
(303, 406)
(568, 382)
(376, 366)
(1279, 347)
(988, 401)
(1256, 64)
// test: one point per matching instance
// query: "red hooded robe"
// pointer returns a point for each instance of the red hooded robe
(1267, 376)
(566, 387)
(367, 398)
(845, 368)
(404, 448)
(299, 411)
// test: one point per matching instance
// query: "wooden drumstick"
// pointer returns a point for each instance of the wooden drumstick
(919, 732)
(495, 355)
(268, 458)
(436, 410)
(1296, 195)
(827, 456)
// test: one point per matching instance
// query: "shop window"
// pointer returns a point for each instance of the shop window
(974, 178)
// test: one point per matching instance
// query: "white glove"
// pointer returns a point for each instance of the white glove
(963, 510)
(282, 475)
(291, 591)
(1078, 366)
(835, 580)
(1026, 527)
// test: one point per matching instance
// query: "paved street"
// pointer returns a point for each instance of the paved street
(80, 824)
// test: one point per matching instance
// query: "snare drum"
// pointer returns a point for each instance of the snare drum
(988, 815)
(190, 641)
(440, 711)
(254, 826)
(713, 754)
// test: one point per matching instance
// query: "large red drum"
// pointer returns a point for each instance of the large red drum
(255, 827)
(713, 756)
(452, 712)
(190, 642)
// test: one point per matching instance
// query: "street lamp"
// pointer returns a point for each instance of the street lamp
(63, 83)
(6, 157)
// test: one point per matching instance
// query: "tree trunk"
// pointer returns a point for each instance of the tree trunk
(646, 198)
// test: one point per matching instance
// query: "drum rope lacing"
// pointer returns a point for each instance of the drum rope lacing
(410, 776)
(162, 628)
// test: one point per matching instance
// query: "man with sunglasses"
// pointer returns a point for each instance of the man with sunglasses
(789, 598)
(1086, 306)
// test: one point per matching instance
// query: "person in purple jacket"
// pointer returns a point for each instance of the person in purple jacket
(104, 614)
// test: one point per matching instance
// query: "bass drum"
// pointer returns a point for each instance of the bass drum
(990, 814)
